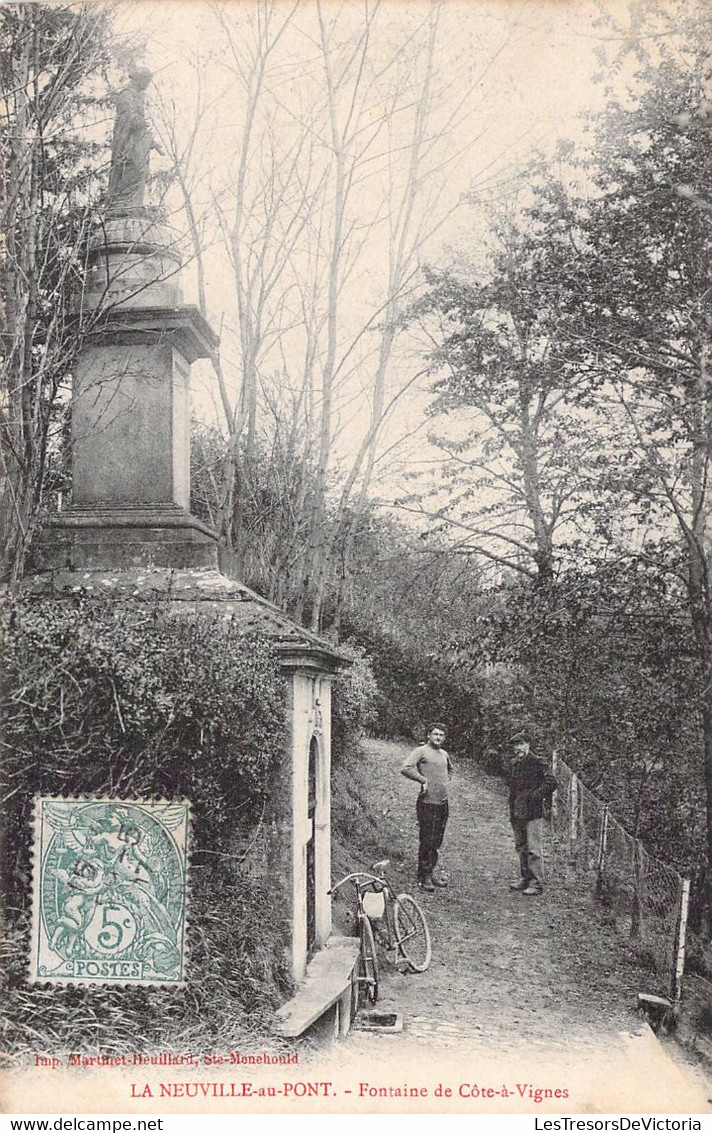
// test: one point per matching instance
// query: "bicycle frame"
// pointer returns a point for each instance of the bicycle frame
(367, 973)
(386, 928)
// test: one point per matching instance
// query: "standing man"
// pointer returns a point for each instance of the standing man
(430, 766)
(531, 783)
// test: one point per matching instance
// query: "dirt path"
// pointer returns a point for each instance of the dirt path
(512, 977)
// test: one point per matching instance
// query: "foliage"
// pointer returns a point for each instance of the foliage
(644, 257)
(602, 668)
(353, 704)
(270, 511)
(143, 701)
(506, 709)
(366, 824)
(517, 449)
(573, 356)
(415, 687)
(128, 701)
(403, 604)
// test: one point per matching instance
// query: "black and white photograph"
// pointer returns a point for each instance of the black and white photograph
(356, 512)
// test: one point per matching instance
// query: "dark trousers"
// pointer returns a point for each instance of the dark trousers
(432, 820)
(527, 843)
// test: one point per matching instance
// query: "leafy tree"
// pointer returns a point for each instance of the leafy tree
(412, 604)
(644, 319)
(601, 665)
(521, 458)
(576, 358)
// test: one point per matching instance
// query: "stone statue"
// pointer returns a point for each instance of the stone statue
(131, 145)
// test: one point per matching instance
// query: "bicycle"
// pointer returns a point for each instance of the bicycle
(401, 928)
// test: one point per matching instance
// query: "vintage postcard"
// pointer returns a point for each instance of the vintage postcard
(355, 430)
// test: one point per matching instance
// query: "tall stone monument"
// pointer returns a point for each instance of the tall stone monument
(128, 537)
(131, 397)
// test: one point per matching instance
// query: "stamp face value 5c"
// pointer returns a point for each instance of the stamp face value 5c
(110, 891)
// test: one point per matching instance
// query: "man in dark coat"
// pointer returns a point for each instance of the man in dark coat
(531, 784)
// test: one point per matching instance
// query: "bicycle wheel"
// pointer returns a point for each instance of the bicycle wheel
(412, 932)
(367, 974)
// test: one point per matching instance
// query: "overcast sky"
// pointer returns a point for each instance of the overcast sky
(525, 72)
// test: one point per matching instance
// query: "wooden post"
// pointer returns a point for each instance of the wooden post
(676, 990)
(602, 845)
(554, 812)
(573, 809)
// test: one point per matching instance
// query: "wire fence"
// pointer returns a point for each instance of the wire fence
(648, 898)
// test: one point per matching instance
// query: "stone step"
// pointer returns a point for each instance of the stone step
(328, 980)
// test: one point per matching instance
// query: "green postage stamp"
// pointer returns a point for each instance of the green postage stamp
(110, 891)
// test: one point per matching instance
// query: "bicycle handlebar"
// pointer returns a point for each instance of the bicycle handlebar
(358, 878)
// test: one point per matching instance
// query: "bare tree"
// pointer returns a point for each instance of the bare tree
(51, 59)
(346, 129)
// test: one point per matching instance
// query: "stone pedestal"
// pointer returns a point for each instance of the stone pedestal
(106, 538)
(131, 409)
(134, 261)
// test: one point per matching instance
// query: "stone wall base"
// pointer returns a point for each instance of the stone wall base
(121, 538)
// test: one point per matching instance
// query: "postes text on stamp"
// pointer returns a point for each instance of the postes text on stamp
(110, 891)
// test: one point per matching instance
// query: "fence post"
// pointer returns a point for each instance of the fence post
(573, 809)
(602, 846)
(636, 907)
(554, 812)
(679, 968)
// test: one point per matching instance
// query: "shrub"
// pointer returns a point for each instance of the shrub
(353, 703)
(415, 687)
(505, 710)
(130, 702)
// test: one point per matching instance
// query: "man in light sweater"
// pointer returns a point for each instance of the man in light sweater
(430, 766)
